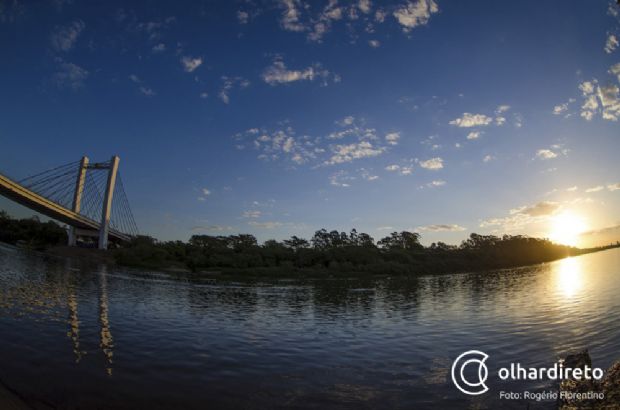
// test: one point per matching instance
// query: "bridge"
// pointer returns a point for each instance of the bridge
(89, 197)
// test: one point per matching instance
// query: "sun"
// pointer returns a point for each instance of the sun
(567, 227)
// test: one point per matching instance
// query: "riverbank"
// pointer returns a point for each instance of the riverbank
(327, 253)
(429, 265)
(11, 401)
(573, 394)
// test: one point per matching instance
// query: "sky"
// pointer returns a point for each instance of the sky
(282, 117)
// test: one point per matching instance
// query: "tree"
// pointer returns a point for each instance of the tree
(403, 240)
(296, 243)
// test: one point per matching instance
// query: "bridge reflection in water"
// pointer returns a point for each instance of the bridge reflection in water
(106, 341)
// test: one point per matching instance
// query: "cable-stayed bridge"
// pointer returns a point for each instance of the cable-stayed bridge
(89, 197)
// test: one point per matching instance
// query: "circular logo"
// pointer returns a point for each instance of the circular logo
(470, 358)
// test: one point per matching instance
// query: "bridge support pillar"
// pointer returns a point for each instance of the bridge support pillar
(77, 198)
(107, 203)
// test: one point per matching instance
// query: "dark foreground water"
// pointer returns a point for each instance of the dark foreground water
(80, 336)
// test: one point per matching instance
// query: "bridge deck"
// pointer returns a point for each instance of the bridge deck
(34, 201)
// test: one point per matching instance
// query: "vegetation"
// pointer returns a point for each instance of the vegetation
(328, 252)
(31, 232)
(338, 252)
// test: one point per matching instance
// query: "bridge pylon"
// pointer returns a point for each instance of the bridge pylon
(106, 209)
(77, 198)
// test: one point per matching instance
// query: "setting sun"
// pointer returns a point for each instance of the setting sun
(567, 227)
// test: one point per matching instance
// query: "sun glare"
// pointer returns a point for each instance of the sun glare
(567, 227)
(569, 277)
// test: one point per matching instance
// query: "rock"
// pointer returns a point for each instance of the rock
(608, 386)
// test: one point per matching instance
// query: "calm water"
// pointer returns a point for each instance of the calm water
(82, 336)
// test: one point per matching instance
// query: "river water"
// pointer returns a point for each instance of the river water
(76, 335)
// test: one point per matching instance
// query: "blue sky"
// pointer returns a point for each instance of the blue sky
(282, 117)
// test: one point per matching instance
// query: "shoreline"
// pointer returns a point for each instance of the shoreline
(91, 255)
(10, 400)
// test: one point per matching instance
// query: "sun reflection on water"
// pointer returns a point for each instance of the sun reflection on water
(569, 277)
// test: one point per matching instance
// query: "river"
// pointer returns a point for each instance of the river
(78, 335)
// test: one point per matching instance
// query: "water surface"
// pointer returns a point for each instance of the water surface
(76, 335)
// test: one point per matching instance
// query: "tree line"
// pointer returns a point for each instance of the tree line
(31, 232)
(335, 251)
(326, 252)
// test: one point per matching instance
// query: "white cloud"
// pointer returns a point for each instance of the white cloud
(350, 152)
(415, 13)
(346, 121)
(291, 16)
(374, 43)
(442, 228)
(228, 84)
(147, 91)
(266, 225)
(474, 135)
(436, 183)
(142, 88)
(365, 6)
(546, 154)
(213, 228)
(614, 187)
(243, 17)
(524, 215)
(251, 214)
(380, 16)
(468, 120)
(70, 75)
(595, 189)
(572, 189)
(392, 138)
(64, 38)
(587, 87)
(341, 179)
(190, 63)
(322, 24)
(367, 174)
(488, 158)
(158, 48)
(432, 164)
(355, 131)
(406, 170)
(561, 108)
(615, 70)
(538, 209)
(611, 44)
(608, 95)
(277, 73)
(206, 192)
(354, 142)
(603, 100)
(502, 109)
(282, 143)
(297, 17)
(402, 170)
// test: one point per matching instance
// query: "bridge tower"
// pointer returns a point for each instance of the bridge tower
(106, 209)
(107, 203)
(77, 198)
